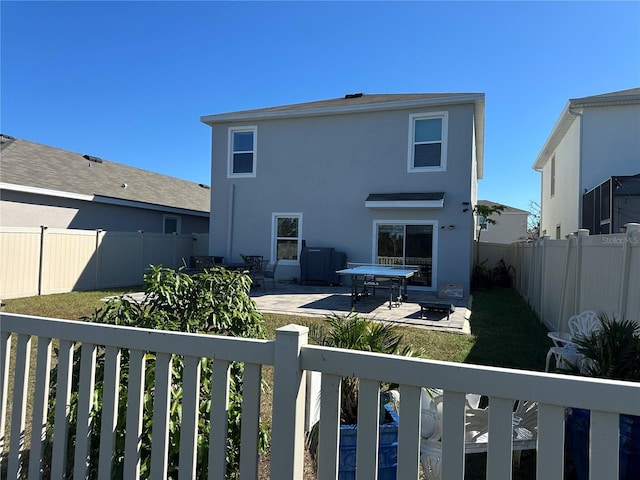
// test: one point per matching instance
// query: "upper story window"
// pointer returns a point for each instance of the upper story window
(242, 151)
(428, 142)
(482, 222)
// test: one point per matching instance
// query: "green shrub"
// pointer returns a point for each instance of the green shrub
(216, 302)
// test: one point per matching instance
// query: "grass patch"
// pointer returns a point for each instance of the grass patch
(507, 333)
(69, 306)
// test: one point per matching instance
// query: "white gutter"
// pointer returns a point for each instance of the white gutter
(101, 199)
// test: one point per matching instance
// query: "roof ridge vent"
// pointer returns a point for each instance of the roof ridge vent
(353, 95)
(5, 140)
(92, 159)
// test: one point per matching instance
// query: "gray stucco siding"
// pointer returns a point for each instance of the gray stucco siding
(325, 167)
(21, 209)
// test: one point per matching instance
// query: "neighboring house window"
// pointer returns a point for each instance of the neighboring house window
(427, 142)
(553, 176)
(484, 225)
(242, 151)
(171, 224)
(287, 235)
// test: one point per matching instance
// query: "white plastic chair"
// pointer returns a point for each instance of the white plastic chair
(564, 351)
(584, 324)
(525, 429)
(270, 273)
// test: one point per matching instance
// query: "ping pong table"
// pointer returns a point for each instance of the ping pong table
(393, 277)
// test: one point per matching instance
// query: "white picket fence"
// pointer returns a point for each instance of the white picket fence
(291, 357)
(560, 278)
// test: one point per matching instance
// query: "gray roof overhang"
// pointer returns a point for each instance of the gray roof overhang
(405, 200)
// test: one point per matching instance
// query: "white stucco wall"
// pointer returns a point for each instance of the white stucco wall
(603, 141)
(610, 143)
(563, 207)
(509, 228)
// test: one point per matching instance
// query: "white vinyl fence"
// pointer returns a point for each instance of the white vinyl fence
(291, 357)
(40, 261)
(560, 278)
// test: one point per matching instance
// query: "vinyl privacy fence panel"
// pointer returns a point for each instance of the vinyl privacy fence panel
(68, 259)
(44, 260)
(560, 278)
(19, 261)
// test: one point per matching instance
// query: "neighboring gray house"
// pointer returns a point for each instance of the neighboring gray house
(383, 178)
(594, 139)
(42, 185)
(510, 226)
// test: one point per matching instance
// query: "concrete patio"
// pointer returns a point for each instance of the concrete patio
(320, 300)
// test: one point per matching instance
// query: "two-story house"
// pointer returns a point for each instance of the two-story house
(383, 178)
(595, 138)
(510, 226)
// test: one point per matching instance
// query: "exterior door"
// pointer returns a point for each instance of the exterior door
(407, 244)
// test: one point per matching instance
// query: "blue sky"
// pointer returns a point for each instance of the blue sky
(129, 81)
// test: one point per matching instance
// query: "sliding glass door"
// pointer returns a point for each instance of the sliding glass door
(407, 244)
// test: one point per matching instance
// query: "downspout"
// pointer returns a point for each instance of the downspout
(229, 253)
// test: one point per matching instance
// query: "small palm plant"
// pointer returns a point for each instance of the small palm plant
(611, 352)
(357, 333)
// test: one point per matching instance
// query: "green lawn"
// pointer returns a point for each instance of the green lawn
(504, 332)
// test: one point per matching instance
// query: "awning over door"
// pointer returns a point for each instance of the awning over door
(405, 200)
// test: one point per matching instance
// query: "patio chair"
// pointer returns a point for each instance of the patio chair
(564, 350)
(270, 273)
(525, 429)
(257, 273)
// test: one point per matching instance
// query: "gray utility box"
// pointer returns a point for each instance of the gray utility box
(320, 264)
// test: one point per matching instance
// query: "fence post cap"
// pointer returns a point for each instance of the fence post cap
(292, 329)
(632, 227)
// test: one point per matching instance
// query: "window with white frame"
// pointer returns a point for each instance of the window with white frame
(427, 142)
(287, 236)
(242, 151)
(171, 224)
(482, 222)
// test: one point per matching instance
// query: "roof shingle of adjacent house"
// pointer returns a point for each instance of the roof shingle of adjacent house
(29, 164)
(507, 208)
